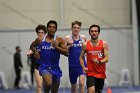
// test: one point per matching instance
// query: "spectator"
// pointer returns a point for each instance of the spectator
(17, 66)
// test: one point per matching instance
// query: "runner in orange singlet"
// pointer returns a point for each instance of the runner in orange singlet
(97, 55)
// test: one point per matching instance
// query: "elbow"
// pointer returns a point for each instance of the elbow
(107, 61)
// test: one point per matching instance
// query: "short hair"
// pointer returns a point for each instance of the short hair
(52, 22)
(94, 25)
(41, 27)
(17, 47)
(76, 22)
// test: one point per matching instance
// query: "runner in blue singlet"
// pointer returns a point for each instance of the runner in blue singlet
(40, 31)
(74, 43)
(50, 52)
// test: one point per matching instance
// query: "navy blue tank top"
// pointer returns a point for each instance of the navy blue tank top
(49, 55)
(38, 48)
(74, 53)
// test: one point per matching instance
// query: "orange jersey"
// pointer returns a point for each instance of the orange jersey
(95, 69)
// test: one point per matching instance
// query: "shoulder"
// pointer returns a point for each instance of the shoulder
(83, 36)
(38, 40)
(66, 38)
(14, 54)
(105, 43)
(17, 54)
(85, 43)
(59, 38)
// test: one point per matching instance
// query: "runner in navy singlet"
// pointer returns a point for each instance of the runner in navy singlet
(50, 52)
(40, 31)
(74, 43)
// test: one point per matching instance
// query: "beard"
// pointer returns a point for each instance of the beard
(94, 38)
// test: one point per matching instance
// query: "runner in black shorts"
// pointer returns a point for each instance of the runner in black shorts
(97, 56)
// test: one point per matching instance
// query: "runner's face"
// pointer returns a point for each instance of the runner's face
(76, 29)
(94, 33)
(41, 33)
(51, 29)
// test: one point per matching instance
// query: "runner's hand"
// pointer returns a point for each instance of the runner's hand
(37, 55)
(85, 70)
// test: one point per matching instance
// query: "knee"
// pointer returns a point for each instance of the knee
(82, 84)
(47, 79)
(91, 90)
(39, 85)
(73, 86)
(48, 83)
